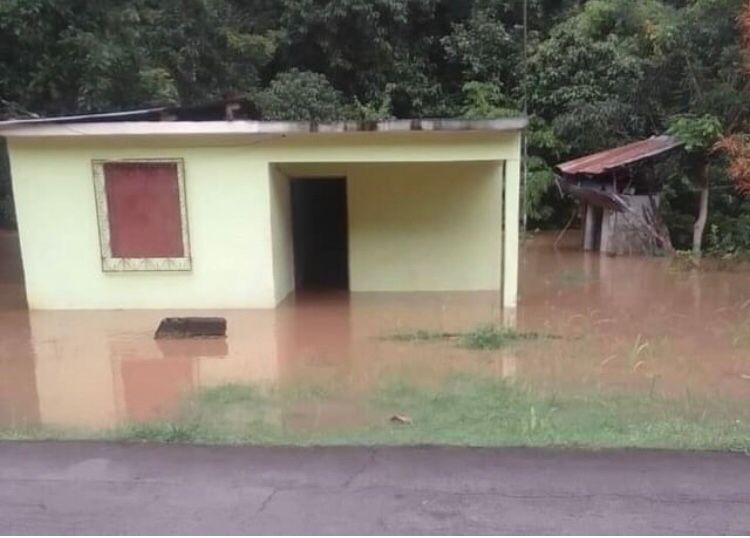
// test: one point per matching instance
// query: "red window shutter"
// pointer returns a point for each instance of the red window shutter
(143, 204)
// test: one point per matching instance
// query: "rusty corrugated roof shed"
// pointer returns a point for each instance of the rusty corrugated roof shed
(611, 159)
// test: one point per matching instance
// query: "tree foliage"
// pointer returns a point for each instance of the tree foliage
(600, 72)
(699, 134)
(300, 95)
(737, 144)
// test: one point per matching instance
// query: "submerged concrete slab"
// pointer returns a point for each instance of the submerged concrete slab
(102, 488)
(191, 327)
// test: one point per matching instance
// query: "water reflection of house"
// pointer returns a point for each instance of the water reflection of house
(619, 190)
(95, 369)
(98, 369)
(19, 405)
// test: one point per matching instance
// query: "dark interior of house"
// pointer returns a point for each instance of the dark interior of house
(319, 228)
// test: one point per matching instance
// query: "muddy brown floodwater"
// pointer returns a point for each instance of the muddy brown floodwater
(627, 324)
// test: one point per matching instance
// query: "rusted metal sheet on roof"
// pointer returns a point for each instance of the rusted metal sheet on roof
(611, 159)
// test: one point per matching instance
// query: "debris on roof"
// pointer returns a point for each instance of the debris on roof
(214, 111)
(245, 127)
(595, 197)
(239, 116)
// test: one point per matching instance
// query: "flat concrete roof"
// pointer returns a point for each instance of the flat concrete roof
(72, 126)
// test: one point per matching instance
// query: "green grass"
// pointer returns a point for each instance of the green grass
(483, 412)
(685, 261)
(483, 337)
(492, 337)
(465, 411)
(420, 335)
(157, 432)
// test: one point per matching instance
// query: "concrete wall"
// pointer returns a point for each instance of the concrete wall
(227, 194)
(425, 227)
(281, 234)
(236, 208)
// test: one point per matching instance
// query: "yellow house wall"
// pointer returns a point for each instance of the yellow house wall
(425, 227)
(228, 218)
(236, 206)
(281, 233)
(511, 204)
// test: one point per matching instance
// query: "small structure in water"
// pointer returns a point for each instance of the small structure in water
(619, 195)
(192, 327)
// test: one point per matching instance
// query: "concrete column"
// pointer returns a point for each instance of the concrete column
(607, 231)
(512, 181)
(589, 228)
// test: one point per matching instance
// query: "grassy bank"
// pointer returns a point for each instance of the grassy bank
(465, 411)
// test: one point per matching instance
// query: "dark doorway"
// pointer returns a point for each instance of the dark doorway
(319, 229)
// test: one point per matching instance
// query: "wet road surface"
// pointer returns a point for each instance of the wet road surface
(100, 488)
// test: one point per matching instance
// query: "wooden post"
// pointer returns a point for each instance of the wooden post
(589, 227)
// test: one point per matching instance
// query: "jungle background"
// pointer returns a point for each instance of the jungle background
(594, 74)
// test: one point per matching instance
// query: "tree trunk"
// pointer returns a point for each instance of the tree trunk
(700, 223)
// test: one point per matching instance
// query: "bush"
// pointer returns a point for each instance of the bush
(300, 96)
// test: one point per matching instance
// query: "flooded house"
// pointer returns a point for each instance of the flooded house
(201, 208)
(618, 191)
(406, 191)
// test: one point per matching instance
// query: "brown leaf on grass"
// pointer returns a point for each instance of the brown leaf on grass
(401, 419)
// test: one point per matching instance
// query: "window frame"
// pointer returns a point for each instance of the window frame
(111, 263)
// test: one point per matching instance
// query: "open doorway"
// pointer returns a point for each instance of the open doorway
(319, 231)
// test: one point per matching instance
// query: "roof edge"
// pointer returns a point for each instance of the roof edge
(37, 128)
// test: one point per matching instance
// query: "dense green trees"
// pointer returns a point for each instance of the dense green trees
(600, 72)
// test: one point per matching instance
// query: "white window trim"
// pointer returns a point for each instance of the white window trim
(114, 264)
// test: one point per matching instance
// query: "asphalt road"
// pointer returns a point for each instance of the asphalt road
(103, 488)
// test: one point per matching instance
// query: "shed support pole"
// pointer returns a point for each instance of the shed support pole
(589, 227)
(510, 233)
(608, 231)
